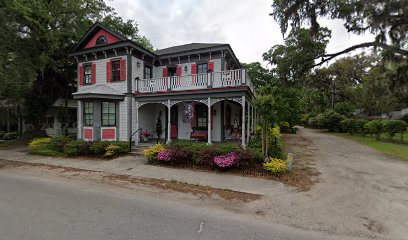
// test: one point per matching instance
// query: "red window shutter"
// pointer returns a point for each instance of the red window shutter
(109, 71)
(178, 71)
(164, 72)
(211, 66)
(226, 67)
(93, 73)
(122, 70)
(81, 75)
(193, 69)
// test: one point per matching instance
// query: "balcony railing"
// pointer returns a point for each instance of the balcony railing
(230, 78)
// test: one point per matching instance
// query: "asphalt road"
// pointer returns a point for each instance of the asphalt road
(39, 207)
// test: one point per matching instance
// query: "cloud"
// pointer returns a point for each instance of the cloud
(246, 25)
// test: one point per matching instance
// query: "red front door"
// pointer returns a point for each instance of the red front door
(174, 122)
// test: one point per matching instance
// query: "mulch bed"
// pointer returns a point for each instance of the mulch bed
(302, 176)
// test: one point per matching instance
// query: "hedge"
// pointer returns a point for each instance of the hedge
(68, 147)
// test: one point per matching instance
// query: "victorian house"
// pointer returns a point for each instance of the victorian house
(196, 91)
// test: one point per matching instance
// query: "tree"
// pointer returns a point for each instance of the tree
(37, 36)
(385, 19)
(258, 74)
(295, 57)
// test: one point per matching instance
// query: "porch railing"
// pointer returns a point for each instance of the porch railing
(230, 78)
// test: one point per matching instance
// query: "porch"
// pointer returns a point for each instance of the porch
(223, 79)
(210, 120)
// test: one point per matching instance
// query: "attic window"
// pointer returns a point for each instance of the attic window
(101, 41)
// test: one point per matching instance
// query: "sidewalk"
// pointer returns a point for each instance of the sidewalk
(137, 167)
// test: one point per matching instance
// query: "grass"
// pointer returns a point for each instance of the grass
(397, 137)
(391, 149)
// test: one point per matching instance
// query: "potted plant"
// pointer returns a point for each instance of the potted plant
(145, 133)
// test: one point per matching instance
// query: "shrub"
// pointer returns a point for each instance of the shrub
(375, 127)
(193, 146)
(331, 120)
(226, 161)
(348, 125)
(73, 148)
(166, 155)
(359, 125)
(284, 126)
(392, 127)
(277, 166)
(274, 146)
(183, 155)
(206, 156)
(40, 146)
(123, 146)
(152, 152)
(246, 159)
(112, 150)
(98, 148)
(10, 136)
(316, 121)
(228, 147)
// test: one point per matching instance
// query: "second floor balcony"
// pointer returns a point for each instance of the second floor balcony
(229, 78)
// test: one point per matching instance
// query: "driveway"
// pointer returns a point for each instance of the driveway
(360, 192)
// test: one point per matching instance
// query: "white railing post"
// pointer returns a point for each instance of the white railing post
(209, 80)
(243, 76)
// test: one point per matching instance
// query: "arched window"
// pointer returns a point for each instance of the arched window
(101, 41)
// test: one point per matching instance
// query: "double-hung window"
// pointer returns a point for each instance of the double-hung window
(202, 68)
(147, 74)
(88, 113)
(108, 114)
(87, 74)
(116, 70)
(201, 116)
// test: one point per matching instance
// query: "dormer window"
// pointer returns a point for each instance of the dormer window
(101, 41)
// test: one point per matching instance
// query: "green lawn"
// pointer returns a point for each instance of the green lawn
(397, 137)
(391, 149)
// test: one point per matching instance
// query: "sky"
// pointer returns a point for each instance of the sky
(244, 24)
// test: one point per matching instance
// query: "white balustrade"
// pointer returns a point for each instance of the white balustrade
(230, 78)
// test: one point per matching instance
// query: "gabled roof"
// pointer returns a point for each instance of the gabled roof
(187, 47)
(94, 30)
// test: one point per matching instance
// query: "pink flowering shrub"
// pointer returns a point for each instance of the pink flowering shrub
(166, 155)
(226, 161)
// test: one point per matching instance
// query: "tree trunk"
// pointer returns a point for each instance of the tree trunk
(8, 119)
(266, 141)
(263, 140)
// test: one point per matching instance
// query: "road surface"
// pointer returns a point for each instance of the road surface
(38, 207)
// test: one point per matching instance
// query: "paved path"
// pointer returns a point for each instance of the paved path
(359, 189)
(138, 167)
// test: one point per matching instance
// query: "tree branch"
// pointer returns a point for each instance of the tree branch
(328, 57)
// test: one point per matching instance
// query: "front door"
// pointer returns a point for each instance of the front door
(174, 122)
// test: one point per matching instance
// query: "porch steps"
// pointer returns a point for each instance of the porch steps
(138, 150)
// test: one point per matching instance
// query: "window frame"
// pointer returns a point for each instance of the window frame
(97, 43)
(87, 77)
(115, 71)
(88, 114)
(108, 114)
(200, 68)
(201, 114)
(144, 72)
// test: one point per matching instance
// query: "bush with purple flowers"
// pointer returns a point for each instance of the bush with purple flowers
(166, 155)
(226, 161)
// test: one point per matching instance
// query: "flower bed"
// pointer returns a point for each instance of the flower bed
(228, 157)
(69, 147)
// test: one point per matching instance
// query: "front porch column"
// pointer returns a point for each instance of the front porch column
(248, 122)
(243, 123)
(137, 123)
(209, 121)
(168, 122)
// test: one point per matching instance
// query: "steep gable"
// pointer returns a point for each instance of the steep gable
(97, 30)
(109, 37)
